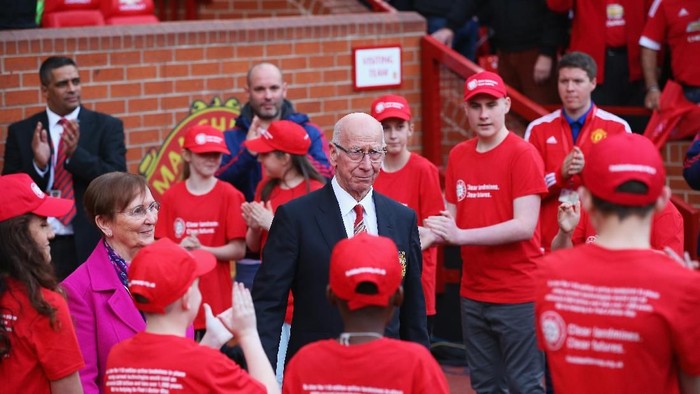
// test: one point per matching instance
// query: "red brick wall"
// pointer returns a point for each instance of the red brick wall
(148, 75)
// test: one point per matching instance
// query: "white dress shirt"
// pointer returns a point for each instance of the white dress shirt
(55, 130)
(347, 204)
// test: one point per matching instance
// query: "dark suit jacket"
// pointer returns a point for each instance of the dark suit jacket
(100, 150)
(297, 255)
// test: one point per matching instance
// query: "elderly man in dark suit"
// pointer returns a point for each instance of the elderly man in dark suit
(305, 230)
(64, 148)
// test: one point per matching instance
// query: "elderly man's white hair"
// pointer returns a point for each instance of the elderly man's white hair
(355, 117)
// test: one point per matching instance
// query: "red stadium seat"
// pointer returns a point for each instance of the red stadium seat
(72, 13)
(73, 19)
(128, 12)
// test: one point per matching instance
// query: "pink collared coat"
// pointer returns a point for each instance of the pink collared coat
(103, 314)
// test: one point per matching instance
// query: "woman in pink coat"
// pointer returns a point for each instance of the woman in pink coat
(104, 314)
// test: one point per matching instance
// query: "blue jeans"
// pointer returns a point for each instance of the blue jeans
(501, 347)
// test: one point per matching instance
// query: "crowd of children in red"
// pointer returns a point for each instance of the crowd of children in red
(572, 259)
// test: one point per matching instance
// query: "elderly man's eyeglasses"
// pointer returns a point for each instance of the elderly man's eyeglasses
(358, 154)
(141, 211)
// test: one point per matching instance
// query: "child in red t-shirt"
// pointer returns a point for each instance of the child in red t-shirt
(203, 212)
(493, 185)
(164, 282)
(616, 316)
(411, 180)
(365, 284)
(39, 352)
(282, 150)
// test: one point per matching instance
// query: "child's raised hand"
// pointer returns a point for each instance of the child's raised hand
(241, 321)
(217, 333)
(190, 242)
(261, 214)
(568, 216)
(246, 211)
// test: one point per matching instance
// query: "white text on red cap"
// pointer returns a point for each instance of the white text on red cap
(144, 283)
(388, 104)
(632, 168)
(481, 82)
(365, 270)
(201, 139)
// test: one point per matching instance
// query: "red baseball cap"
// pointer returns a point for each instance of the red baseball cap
(365, 258)
(163, 271)
(281, 135)
(621, 158)
(21, 195)
(484, 82)
(203, 138)
(391, 106)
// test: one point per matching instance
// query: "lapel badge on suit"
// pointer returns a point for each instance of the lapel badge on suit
(402, 261)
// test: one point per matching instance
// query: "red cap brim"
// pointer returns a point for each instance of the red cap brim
(392, 113)
(205, 262)
(259, 145)
(208, 148)
(493, 92)
(53, 207)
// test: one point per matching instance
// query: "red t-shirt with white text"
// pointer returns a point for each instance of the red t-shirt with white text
(216, 219)
(38, 352)
(381, 366)
(417, 186)
(168, 364)
(617, 321)
(483, 187)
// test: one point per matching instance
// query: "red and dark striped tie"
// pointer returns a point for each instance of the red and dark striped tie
(62, 179)
(359, 226)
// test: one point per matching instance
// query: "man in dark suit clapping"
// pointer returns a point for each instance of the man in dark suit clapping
(64, 148)
(304, 231)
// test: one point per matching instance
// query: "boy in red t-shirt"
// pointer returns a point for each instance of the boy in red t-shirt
(493, 185)
(365, 284)
(616, 316)
(164, 282)
(412, 180)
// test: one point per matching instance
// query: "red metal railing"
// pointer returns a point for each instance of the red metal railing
(435, 56)
(380, 6)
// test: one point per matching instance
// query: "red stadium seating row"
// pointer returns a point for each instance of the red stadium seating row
(76, 13)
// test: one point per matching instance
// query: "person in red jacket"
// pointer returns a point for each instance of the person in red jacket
(609, 31)
(564, 136)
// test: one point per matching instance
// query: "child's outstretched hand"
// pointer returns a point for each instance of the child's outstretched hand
(568, 216)
(242, 319)
(217, 333)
